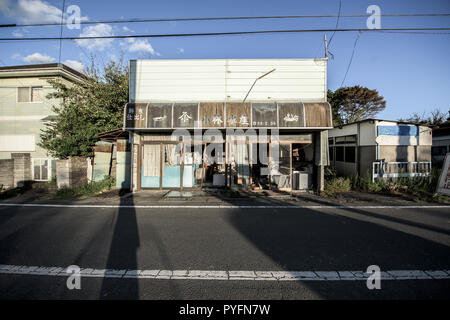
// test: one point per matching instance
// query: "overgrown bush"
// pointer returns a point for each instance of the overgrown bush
(337, 184)
(421, 188)
(89, 189)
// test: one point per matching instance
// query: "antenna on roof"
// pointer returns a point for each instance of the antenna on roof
(265, 74)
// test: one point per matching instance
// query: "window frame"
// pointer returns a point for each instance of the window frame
(49, 168)
(336, 154)
(30, 94)
(345, 154)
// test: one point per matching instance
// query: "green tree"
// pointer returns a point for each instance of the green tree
(335, 108)
(435, 118)
(350, 104)
(85, 110)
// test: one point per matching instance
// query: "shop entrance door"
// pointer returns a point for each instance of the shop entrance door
(161, 166)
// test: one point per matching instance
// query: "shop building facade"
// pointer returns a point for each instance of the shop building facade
(219, 123)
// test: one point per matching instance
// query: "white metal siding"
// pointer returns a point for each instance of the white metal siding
(17, 143)
(343, 131)
(227, 80)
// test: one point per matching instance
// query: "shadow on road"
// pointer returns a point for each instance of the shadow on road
(123, 253)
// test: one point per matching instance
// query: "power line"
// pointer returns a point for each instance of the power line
(138, 20)
(351, 58)
(167, 35)
(61, 32)
(337, 23)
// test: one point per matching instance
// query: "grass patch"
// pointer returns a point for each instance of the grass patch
(418, 188)
(88, 190)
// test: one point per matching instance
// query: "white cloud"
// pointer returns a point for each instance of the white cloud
(139, 45)
(31, 11)
(17, 34)
(97, 30)
(17, 56)
(180, 50)
(76, 65)
(127, 29)
(37, 58)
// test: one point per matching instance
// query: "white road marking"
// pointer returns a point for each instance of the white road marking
(229, 275)
(217, 206)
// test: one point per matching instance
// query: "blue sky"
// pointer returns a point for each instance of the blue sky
(411, 71)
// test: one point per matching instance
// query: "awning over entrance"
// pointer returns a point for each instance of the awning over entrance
(167, 115)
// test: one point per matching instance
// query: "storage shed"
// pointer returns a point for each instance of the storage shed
(381, 148)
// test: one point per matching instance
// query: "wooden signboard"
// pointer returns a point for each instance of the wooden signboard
(317, 115)
(228, 115)
(212, 114)
(238, 114)
(264, 115)
(159, 115)
(184, 115)
(291, 115)
(135, 115)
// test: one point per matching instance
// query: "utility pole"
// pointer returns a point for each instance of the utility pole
(326, 45)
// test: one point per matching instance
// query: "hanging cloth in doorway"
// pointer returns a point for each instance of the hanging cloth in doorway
(151, 160)
(172, 155)
(241, 161)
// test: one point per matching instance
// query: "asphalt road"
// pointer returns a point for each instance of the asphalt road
(301, 239)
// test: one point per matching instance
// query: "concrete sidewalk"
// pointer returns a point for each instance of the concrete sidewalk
(217, 197)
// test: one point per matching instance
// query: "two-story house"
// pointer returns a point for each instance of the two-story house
(24, 109)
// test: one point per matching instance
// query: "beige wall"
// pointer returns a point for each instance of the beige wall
(24, 118)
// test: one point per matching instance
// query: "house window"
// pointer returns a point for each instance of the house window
(43, 169)
(29, 94)
(350, 154)
(331, 152)
(23, 94)
(346, 139)
(36, 94)
(339, 154)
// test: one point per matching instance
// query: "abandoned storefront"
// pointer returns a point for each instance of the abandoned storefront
(179, 142)
(281, 155)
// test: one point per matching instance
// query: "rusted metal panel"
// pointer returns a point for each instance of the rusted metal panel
(264, 115)
(184, 115)
(291, 115)
(123, 146)
(103, 148)
(212, 114)
(238, 114)
(135, 115)
(318, 115)
(159, 115)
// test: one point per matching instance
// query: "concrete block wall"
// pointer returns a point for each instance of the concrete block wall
(78, 171)
(62, 173)
(22, 168)
(6, 173)
(72, 172)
